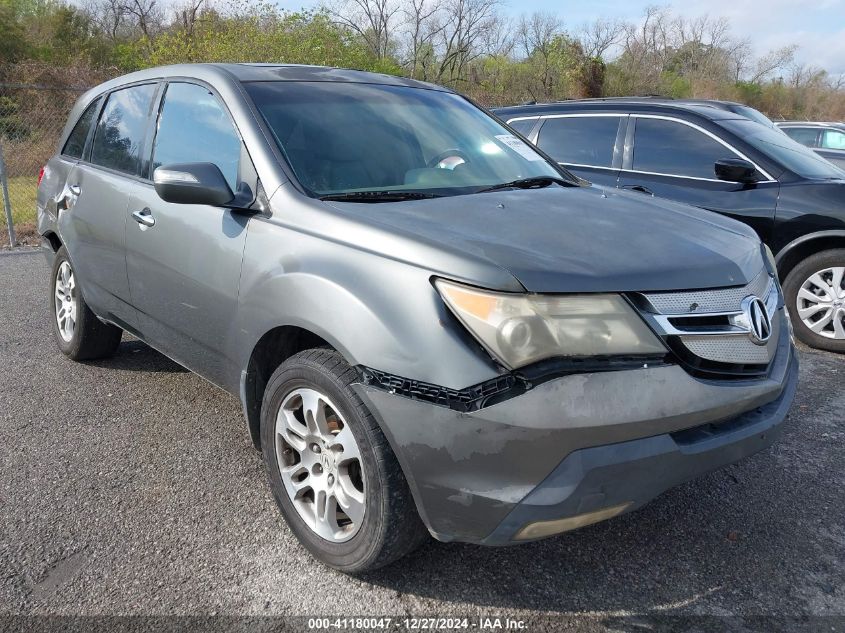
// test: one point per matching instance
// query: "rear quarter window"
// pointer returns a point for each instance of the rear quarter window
(75, 144)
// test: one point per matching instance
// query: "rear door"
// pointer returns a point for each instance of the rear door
(588, 145)
(95, 198)
(672, 158)
(184, 269)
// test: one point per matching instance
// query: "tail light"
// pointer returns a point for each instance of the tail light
(40, 175)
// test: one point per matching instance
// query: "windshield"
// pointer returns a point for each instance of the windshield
(755, 115)
(791, 155)
(342, 138)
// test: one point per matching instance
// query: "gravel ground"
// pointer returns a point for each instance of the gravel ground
(129, 486)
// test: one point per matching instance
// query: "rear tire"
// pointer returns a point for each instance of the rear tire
(312, 386)
(815, 295)
(78, 332)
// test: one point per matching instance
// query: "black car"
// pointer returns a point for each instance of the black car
(717, 159)
(825, 139)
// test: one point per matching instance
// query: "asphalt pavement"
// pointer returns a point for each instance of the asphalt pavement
(129, 486)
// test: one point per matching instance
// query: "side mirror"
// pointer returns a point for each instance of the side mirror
(736, 170)
(192, 183)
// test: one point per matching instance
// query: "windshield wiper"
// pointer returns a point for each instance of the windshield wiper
(379, 196)
(536, 182)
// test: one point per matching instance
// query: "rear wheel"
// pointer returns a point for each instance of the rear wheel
(331, 470)
(78, 332)
(815, 296)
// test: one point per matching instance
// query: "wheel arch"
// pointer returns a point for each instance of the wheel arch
(273, 348)
(801, 248)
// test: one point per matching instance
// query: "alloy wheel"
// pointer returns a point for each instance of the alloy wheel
(821, 303)
(320, 464)
(66, 304)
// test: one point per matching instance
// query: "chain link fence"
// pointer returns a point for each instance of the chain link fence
(32, 118)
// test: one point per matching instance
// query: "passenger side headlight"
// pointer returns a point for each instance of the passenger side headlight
(519, 329)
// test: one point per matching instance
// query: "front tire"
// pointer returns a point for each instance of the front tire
(815, 294)
(79, 334)
(332, 473)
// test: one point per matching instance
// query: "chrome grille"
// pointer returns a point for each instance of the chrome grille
(718, 300)
(689, 320)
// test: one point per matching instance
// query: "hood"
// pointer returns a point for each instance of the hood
(581, 239)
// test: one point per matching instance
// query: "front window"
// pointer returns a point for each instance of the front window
(791, 155)
(669, 147)
(352, 137)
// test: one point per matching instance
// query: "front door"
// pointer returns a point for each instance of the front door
(184, 261)
(674, 159)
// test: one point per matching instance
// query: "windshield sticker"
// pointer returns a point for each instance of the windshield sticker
(519, 146)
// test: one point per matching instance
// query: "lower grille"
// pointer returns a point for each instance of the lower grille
(739, 350)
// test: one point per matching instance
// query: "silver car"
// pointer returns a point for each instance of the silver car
(432, 327)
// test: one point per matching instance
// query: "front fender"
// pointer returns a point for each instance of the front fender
(377, 312)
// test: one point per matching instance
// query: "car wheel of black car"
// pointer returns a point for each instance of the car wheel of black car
(79, 333)
(815, 296)
(331, 470)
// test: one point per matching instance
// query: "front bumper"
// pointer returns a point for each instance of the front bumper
(577, 445)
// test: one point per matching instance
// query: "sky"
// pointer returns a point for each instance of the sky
(816, 26)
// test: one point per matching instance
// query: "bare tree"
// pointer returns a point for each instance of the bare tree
(421, 27)
(373, 20)
(772, 61)
(462, 35)
(188, 13)
(598, 37)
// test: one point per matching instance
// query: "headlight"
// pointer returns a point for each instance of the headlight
(518, 329)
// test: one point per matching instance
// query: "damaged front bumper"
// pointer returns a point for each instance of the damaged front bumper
(577, 449)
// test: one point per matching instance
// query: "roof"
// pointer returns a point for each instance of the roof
(262, 72)
(705, 109)
(835, 124)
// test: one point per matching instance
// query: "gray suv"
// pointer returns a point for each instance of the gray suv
(432, 327)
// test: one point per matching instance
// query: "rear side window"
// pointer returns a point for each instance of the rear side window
(523, 126)
(195, 128)
(833, 139)
(120, 131)
(580, 140)
(75, 144)
(672, 148)
(804, 135)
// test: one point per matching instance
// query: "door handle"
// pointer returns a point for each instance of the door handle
(67, 197)
(639, 188)
(144, 217)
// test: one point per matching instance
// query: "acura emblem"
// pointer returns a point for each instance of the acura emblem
(757, 320)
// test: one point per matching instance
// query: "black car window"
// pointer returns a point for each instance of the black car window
(120, 131)
(580, 140)
(670, 147)
(523, 126)
(783, 150)
(195, 128)
(804, 135)
(833, 139)
(75, 144)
